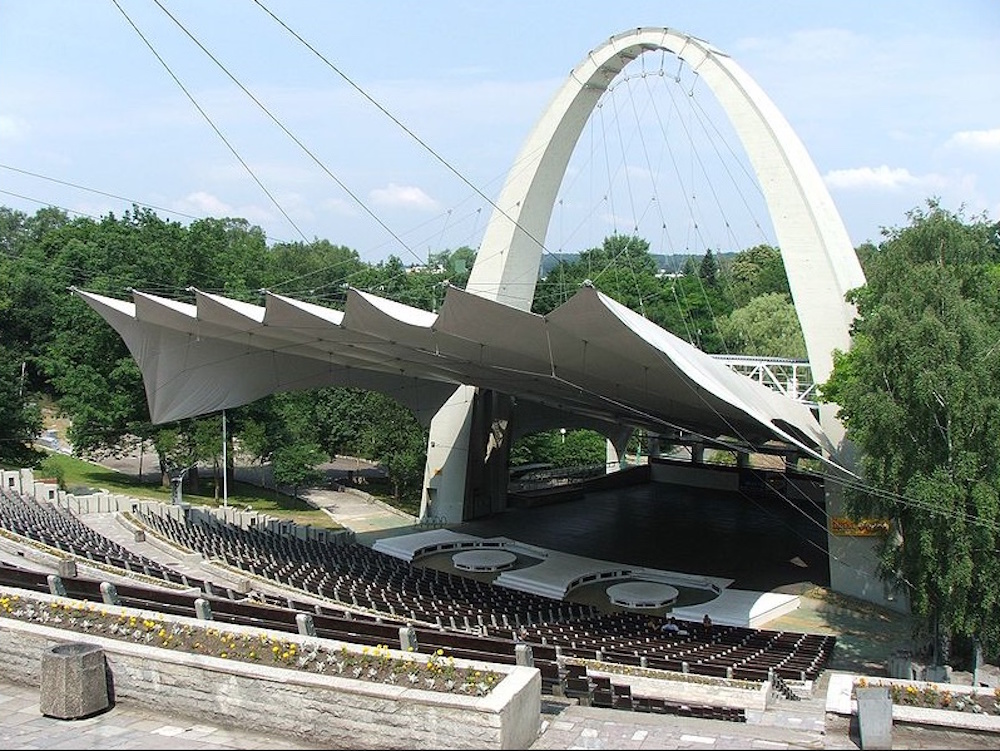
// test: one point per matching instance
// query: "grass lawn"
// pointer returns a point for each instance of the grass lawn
(79, 477)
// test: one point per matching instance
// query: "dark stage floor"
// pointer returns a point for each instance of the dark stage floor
(762, 544)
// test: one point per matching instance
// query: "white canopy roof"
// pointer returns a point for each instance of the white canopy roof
(591, 358)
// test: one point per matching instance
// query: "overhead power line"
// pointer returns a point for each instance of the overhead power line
(204, 114)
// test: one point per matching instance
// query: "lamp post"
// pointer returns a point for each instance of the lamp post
(225, 464)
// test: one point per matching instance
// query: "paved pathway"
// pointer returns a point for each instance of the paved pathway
(22, 726)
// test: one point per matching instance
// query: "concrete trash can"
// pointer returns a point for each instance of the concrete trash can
(74, 681)
(874, 717)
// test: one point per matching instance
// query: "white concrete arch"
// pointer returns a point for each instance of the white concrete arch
(819, 258)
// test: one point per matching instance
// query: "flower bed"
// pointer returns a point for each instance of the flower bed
(685, 688)
(946, 697)
(436, 672)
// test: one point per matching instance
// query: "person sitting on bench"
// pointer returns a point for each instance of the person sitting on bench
(671, 627)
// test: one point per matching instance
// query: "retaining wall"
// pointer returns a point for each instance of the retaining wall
(326, 710)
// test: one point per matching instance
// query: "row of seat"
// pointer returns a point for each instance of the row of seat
(363, 578)
(358, 575)
(723, 651)
(602, 691)
(59, 529)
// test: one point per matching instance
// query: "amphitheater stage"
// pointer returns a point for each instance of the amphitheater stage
(557, 575)
(757, 544)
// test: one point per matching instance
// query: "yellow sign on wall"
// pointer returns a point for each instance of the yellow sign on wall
(843, 526)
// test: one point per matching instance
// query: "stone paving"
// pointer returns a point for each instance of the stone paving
(22, 726)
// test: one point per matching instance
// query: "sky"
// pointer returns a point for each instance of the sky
(394, 133)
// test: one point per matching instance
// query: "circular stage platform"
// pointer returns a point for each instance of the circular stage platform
(483, 560)
(642, 594)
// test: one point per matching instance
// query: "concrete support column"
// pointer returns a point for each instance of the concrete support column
(697, 453)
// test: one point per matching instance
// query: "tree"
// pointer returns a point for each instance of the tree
(296, 464)
(919, 395)
(756, 271)
(393, 438)
(621, 268)
(709, 269)
(20, 419)
(573, 448)
(767, 326)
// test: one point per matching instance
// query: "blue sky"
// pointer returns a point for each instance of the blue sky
(895, 102)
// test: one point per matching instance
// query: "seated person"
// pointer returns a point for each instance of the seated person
(670, 627)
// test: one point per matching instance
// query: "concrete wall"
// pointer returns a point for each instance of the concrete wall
(695, 475)
(679, 688)
(325, 710)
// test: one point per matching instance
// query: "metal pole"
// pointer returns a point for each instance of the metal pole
(225, 465)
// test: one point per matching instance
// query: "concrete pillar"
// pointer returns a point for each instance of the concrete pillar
(408, 639)
(697, 453)
(874, 717)
(523, 655)
(74, 681)
(67, 568)
(203, 609)
(305, 623)
(109, 593)
(56, 585)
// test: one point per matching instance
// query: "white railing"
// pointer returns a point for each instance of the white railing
(793, 378)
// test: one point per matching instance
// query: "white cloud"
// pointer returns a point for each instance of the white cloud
(405, 196)
(976, 140)
(871, 177)
(204, 204)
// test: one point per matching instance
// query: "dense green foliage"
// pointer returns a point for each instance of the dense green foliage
(919, 394)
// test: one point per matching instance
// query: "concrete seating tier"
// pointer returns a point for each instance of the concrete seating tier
(437, 603)
(57, 528)
(724, 651)
(361, 577)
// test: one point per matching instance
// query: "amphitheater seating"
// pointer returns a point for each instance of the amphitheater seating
(58, 529)
(379, 593)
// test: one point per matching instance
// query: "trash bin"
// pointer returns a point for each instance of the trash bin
(74, 681)
(874, 717)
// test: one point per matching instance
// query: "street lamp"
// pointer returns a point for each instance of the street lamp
(562, 432)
